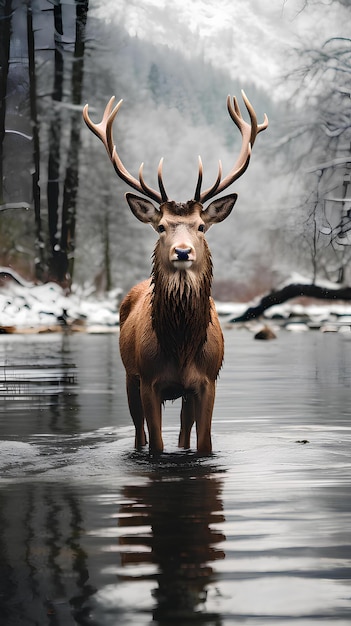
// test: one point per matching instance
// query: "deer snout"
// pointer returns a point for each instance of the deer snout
(182, 256)
(182, 253)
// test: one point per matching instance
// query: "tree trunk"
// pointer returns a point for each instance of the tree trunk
(289, 292)
(53, 185)
(5, 35)
(71, 179)
(36, 147)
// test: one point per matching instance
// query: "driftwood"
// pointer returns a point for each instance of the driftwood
(292, 291)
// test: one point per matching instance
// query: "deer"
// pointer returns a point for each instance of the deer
(171, 341)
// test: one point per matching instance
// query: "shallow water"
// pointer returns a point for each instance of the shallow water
(93, 533)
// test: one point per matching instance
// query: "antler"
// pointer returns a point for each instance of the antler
(103, 130)
(249, 133)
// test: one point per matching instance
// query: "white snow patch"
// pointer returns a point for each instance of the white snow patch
(24, 305)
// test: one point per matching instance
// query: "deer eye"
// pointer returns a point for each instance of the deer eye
(161, 228)
(202, 228)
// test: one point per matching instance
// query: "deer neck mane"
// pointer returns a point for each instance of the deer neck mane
(181, 308)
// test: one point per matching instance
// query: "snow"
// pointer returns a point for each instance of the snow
(25, 306)
(293, 315)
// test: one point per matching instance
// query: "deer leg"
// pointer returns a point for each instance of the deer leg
(187, 419)
(136, 411)
(204, 402)
(152, 408)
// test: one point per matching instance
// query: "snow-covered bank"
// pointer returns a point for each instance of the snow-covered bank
(295, 305)
(25, 307)
(295, 317)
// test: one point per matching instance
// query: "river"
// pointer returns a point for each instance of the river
(93, 533)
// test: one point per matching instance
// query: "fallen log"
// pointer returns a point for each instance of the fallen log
(294, 290)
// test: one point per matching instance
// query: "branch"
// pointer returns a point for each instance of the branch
(15, 205)
(328, 164)
(9, 273)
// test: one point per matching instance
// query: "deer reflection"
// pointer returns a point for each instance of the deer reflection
(182, 512)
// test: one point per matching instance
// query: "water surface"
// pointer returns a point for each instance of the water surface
(94, 533)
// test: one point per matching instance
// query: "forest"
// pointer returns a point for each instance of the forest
(63, 216)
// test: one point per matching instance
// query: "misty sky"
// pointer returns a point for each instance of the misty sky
(252, 39)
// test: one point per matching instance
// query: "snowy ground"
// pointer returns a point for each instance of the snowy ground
(297, 314)
(25, 307)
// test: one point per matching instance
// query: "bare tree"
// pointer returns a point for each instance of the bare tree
(5, 33)
(36, 146)
(320, 138)
(72, 171)
(53, 183)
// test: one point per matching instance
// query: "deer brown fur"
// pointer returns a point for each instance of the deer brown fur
(171, 341)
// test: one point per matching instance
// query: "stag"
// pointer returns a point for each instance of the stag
(171, 341)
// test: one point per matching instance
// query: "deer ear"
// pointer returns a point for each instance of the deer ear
(219, 209)
(143, 209)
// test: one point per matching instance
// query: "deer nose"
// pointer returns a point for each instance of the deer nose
(182, 253)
